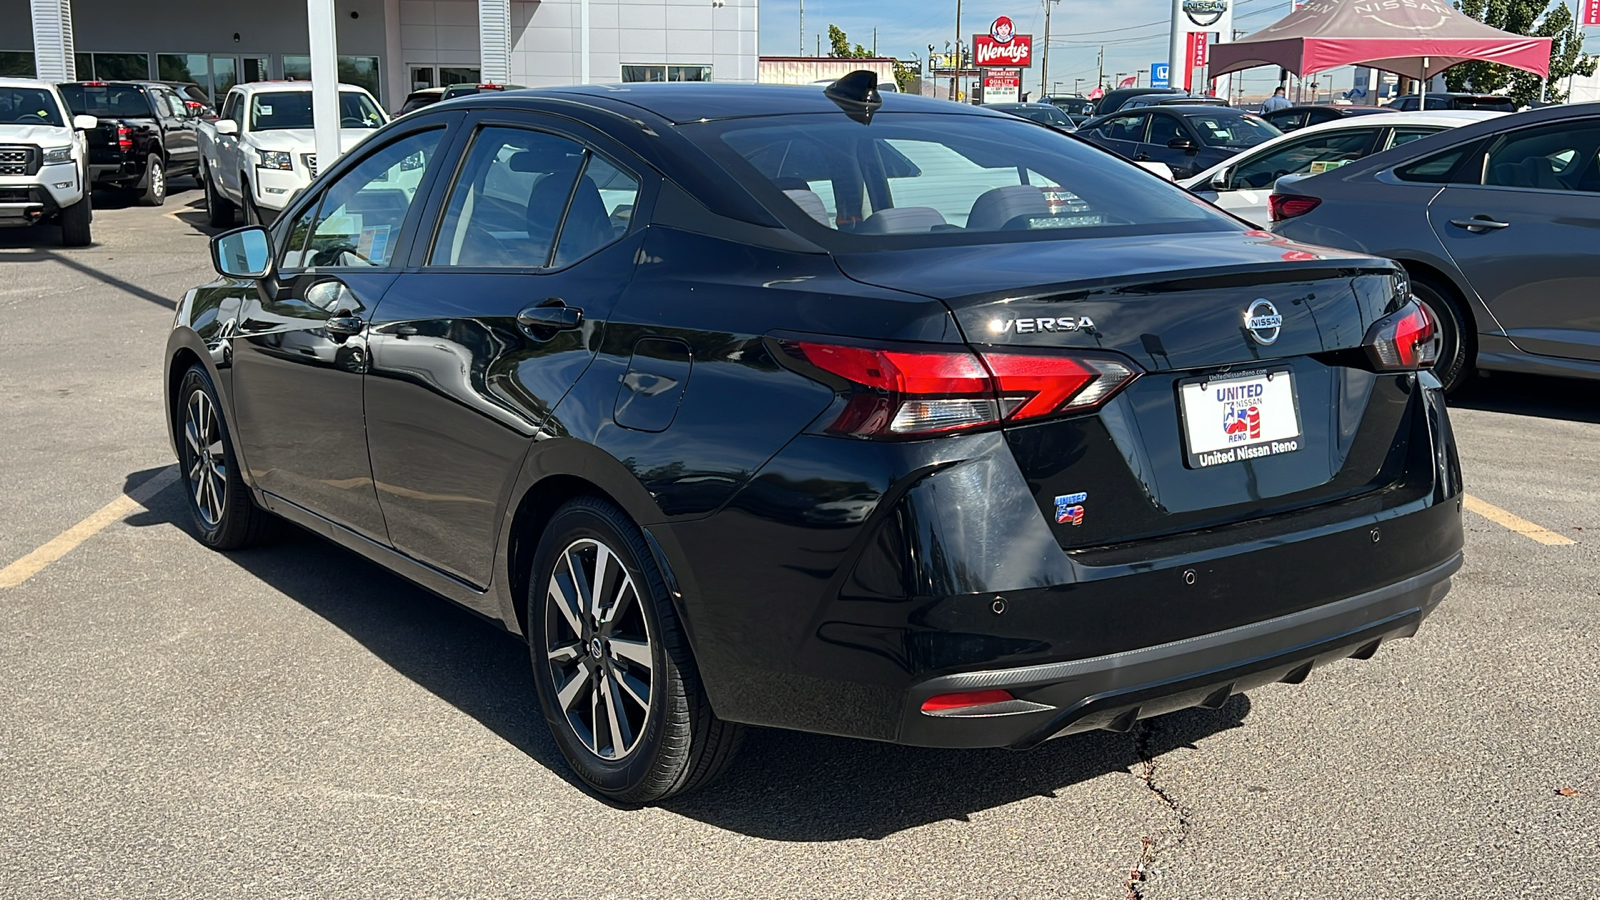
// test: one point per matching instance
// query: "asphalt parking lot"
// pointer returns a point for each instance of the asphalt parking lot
(295, 722)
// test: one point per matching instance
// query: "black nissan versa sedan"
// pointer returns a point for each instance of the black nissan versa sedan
(884, 417)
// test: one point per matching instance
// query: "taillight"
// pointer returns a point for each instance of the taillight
(944, 703)
(908, 392)
(1405, 340)
(1287, 206)
(124, 137)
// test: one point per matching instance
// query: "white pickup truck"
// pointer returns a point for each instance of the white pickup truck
(263, 149)
(44, 160)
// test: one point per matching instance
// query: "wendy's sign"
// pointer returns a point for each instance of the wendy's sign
(1002, 46)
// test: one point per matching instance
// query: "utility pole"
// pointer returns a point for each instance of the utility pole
(1100, 80)
(1077, 91)
(874, 42)
(1044, 58)
(955, 78)
(802, 27)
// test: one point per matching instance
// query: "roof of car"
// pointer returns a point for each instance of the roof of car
(251, 87)
(683, 102)
(24, 82)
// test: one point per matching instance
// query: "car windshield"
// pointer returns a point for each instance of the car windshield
(929, 180)
(114, 101)
(1233, 132)
(28, 106)
(1049, 115)
(292, 109)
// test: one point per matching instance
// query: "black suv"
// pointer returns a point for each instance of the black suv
(874, 415)
(1480, 102)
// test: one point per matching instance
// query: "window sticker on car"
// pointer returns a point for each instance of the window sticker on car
(1323, 165)
(374, 242)
(264, 109)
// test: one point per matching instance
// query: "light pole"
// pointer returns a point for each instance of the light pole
(1118, 81)
(1076, 90)
(1044, 58)
(956, 77)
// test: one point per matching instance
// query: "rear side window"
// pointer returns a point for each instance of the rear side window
(1438, 168)
(1406, 135)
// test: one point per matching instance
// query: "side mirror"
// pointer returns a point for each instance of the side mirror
(85, 123)
(1180, 143)
(1219, 181)
(243, 253)
(227, 126)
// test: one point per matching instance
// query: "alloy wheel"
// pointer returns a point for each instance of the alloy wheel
(599, 649)
(206, 461)
(158, 182)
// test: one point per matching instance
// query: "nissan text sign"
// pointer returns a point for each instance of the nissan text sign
(1002, 46)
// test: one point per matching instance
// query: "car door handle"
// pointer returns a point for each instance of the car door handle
(1143, 157)
(551, 318)
(1479, 222)
(344, 324)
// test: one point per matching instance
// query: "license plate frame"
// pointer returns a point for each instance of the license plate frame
(1277, 407)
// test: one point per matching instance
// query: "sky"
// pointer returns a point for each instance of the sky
(1135, 32)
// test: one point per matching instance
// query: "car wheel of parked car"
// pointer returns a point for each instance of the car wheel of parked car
(155, 182)
(611, 663)
(1454, 367)
(247, 206)
(224, 513)
(75, 219)
(219, 210)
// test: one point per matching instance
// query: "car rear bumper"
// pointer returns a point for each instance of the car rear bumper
(1115, 690)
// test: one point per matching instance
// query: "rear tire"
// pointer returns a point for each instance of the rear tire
(1455, 367)
(596, 649)
(155, 182)
(225, 514)
(75, 219)
(219, 210)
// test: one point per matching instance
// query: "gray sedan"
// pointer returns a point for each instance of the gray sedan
(1498, 224)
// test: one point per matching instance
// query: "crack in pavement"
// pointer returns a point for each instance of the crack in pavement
(1148, 852)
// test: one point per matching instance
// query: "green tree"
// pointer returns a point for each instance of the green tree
(1533, 18)
(903, 76)
(839, 45)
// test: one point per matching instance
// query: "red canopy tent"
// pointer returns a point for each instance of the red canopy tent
(1415, 38)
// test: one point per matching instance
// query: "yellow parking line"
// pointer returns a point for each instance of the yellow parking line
(63, 543)
(1500, 517)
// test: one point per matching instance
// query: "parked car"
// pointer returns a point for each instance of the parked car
(1494, 223)
(1078, 109)
(1291, 118)
(1170, 100)
(146, 135)
(419, 98)
(1188, 139)
(194, 98)
(44, 160)
(262, 150)
(1043, 113)
(1489, 102)
(1242, 184)
(1114, 99)
(754, 405)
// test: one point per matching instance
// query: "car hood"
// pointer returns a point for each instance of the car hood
(298, 140)
(53, 135)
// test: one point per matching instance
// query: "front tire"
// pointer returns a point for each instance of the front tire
(219, 210)
(225, 515)
(155, 182)
(75, 219)
(615, 677)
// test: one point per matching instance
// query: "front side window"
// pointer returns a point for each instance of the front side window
(28, 106)
(1165, 129)
(1232, 132)
(292, 109)
(509, 207)
(1313, 155)
(1552, 158)
(1123, 128)
(930, 179)
(358, 219)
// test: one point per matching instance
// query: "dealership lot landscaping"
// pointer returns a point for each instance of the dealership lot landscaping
(294, 721)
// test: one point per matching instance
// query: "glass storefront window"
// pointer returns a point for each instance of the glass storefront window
(361, 71)
(666, 73)
(449, 75)
(113, 66)
(225, 71)
(189, 67)
(16, 64)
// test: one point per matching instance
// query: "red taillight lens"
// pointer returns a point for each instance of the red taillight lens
(1405, 340)
(1287, 206)
(124, 137)
(944, 702)
(895, 393)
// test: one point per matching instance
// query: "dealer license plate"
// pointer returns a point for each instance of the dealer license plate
(1237, 417)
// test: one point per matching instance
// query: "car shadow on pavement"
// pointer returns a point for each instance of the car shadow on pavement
(786, 786)
(1531, 395)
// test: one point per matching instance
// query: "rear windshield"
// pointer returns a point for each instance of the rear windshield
(292, 109)
(28, 106)
(1234, 132)
(114, 101)
(1492, 104)
(928, 179)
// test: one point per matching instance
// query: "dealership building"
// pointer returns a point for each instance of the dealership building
(391, 47)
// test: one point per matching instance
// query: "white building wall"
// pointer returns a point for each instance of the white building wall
(546, 49)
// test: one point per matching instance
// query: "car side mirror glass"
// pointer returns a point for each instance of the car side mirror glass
(227, 126)
(243, 253)
(85, 123)
(1219, 181)
(1180, 143)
